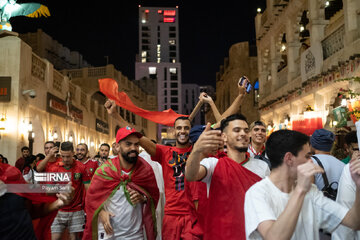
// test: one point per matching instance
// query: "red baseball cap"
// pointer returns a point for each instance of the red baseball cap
(126, 131)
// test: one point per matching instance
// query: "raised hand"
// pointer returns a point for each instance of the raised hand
(305, 175)
(209, 141)
(241, 88)
(110, 106)
(205, 98)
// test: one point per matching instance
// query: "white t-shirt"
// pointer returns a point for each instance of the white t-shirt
(264, 201)
(160, 183)
(333, 168)
(257, 166)
(346, 197)
(127, 222)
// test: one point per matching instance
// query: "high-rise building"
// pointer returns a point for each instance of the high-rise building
(158, 56)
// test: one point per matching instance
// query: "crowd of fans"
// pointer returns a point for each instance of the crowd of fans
(226, 180)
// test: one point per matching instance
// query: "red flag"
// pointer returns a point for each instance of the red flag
(109, 87)
(229, 184)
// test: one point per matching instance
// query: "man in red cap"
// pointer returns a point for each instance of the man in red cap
(123, 194)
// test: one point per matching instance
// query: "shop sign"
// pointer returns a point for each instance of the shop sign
(5, 89)
(101, 126)
(63, 108)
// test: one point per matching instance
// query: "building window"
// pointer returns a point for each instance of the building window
(172, 48)
(145, 34)
(165, 93)
(172, 42)
(174, 85)
(127, 116)
(174, 100)
(165, 84)
(165, 106)
(172, 35)
(145, 41)
(165, 100)
(172, 70)
(133, 119)
(172, 54)
(172, 29)
(145, 28)
(174, 107)
(122, 112)
(174, 92)
(145, 47)
(173, 77)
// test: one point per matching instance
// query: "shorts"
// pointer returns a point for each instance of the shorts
(74, 221)
(178, 227)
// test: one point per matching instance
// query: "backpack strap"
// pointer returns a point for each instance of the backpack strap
(326, 181)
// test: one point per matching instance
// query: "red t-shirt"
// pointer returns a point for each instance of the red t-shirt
(79, 177)
(49, 165)
(91, 165)
(173, 160)
(20, 163)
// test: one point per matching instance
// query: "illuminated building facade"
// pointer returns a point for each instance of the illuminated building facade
(308, 56)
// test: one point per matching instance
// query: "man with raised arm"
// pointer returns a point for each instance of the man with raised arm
(286, 205)
(179, 216)
(227, 176)
(50, 160)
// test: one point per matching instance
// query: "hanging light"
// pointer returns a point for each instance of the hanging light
(258, 10)
(2, 122)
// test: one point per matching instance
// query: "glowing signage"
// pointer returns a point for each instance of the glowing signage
(169, 19)
(169, 13)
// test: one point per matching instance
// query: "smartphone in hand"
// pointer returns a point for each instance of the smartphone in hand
(243, 81)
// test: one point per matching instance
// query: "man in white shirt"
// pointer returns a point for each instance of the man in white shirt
(160, 183)
(286, 205)
(347, 190)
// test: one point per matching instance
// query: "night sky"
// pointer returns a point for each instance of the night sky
(110, 28)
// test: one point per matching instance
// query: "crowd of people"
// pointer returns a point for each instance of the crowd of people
(225, 180)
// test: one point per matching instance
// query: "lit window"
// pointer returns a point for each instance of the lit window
(174, 61)
(143, 54)
(152, 70)
(143, 60)
(158, 60)
(172, 42)
(172, 70)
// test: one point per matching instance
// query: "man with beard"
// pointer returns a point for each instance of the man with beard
(123, 194)
(82, 155)
(104, 152)
(179, 210)
(227, 176)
